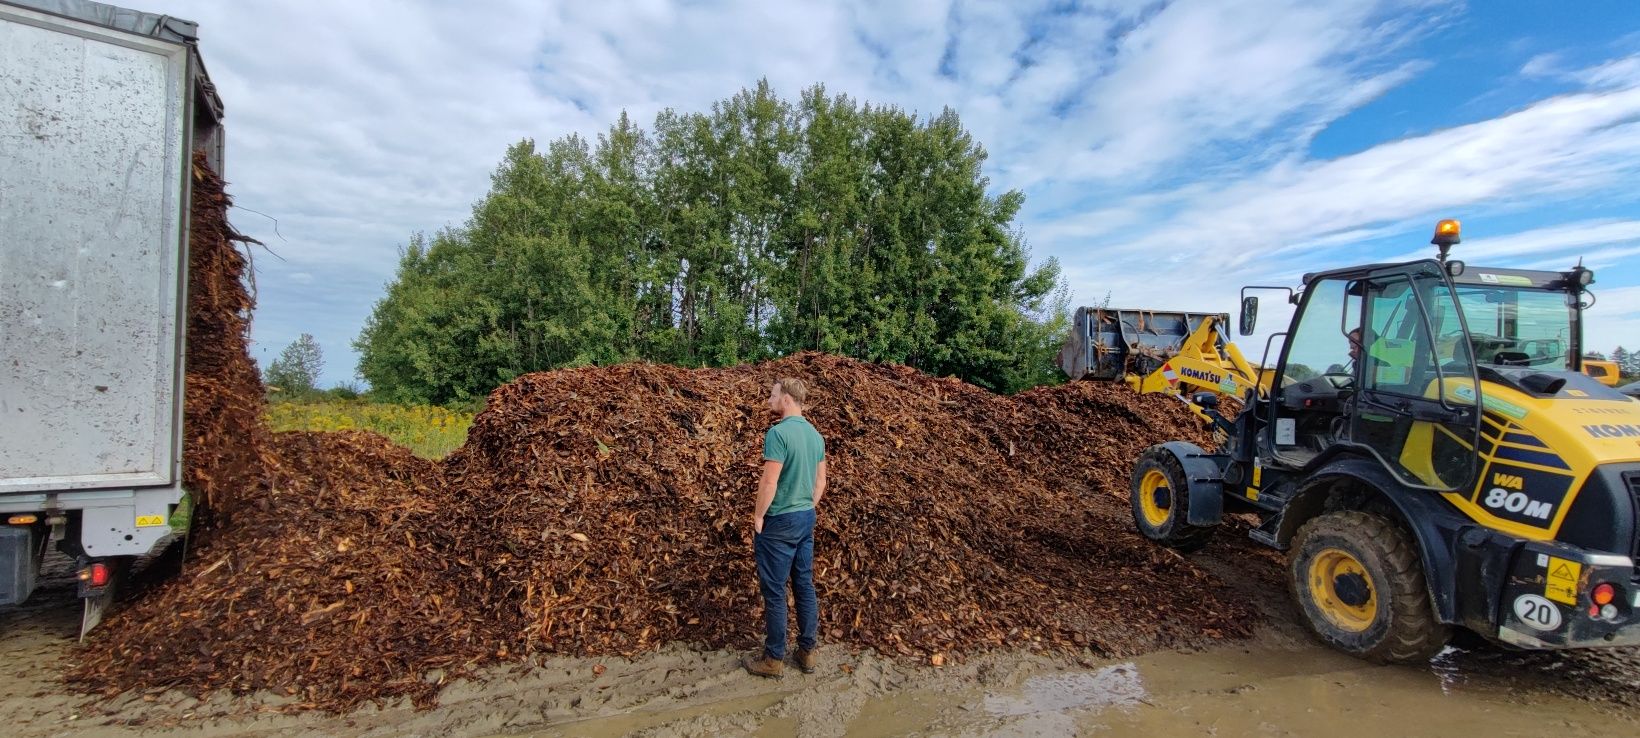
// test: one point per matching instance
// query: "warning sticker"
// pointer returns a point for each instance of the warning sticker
(150, 521)
(1561, 583)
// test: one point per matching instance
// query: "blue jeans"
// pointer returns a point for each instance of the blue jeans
(785, 550)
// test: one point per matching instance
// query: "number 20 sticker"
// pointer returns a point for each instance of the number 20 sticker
(1537, 612)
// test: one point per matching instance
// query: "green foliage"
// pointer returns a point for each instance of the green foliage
(1300, 372)
(757, 229)
(344, 392)
(296, 372)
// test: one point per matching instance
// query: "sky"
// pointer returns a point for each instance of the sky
(1170, 152)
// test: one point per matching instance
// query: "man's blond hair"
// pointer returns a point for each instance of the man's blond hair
(794, 388)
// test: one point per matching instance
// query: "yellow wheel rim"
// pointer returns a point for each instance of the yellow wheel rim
(1154, 514)
(1342, 590)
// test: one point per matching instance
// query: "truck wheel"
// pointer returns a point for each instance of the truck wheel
(1161, 502)
(1360, 583)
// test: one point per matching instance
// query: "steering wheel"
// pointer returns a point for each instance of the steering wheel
(1483, 339)
(1541, 347)
(1483, 346)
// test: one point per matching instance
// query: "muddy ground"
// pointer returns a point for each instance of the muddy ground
(1278, 683)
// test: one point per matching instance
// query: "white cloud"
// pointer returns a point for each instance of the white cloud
(1542, 65)
(1201, 75)
(1614, 320)
(1541, 241)
(1615, 73)
(1574, 143)
(1159, 143)
(1623, 302)
(1598, 261)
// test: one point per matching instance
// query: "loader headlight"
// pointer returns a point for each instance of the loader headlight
(1578, 278)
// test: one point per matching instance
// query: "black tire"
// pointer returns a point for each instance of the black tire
(1392, 619)
(1163, 519)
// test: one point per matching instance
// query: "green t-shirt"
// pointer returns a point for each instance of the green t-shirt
(799, 449)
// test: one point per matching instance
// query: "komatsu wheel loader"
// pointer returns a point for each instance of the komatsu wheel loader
(1604, 371)
(1431, 456)
(1176, 353)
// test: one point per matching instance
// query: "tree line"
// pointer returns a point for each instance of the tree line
(759, 228)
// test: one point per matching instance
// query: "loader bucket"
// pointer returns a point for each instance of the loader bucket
(1109, 343)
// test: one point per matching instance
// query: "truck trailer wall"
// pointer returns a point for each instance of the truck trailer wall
(93, 132)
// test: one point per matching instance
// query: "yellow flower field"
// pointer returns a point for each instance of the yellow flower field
(428, 431)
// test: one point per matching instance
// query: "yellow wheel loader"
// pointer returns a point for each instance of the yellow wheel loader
(1606, 372)
(1177, 353)
(1432, 457)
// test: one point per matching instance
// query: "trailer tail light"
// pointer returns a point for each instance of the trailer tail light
(1603, 594)
(95, 575)
(23, 519)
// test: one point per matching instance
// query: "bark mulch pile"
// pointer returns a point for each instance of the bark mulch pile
(332, 588)
(224, 441)
(607, 511)
(957, 519)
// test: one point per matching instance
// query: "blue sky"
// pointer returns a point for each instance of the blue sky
(1169, 152)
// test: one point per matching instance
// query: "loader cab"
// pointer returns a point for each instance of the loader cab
(1525, 318)
(1377, 363)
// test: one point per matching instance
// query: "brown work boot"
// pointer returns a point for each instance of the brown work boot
(764, 666)
(805, 660)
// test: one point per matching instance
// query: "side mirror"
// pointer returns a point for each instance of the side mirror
(1249, 314)
(1205, 399)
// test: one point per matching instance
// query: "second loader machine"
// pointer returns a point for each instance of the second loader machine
(1175, 353)
(1426, 448)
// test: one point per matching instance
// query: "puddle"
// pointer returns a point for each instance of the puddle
(1447, 667)
(1110, 686)
(1277, 692)
(1294, 690)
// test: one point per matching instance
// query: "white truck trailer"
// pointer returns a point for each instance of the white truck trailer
(100, 108)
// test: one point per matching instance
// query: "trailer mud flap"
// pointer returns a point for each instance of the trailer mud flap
(92, 614)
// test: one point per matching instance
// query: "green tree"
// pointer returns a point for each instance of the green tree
(295, 373)
(754, 229)
(1628, 363)
(1300, 372)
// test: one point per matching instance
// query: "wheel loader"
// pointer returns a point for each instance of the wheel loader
(1604, 371)
(1430, 454)
(1177, 353)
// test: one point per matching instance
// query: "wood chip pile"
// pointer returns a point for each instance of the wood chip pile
(224, 441)
(607, 510)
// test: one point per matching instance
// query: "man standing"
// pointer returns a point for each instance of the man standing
(794, 480)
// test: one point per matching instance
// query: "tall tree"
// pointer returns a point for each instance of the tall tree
(755, 229)
(296, 372)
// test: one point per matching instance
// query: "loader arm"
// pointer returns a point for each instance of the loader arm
(1158, 351)
(1204, 363)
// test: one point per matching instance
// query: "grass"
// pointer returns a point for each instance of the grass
(429, 432)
